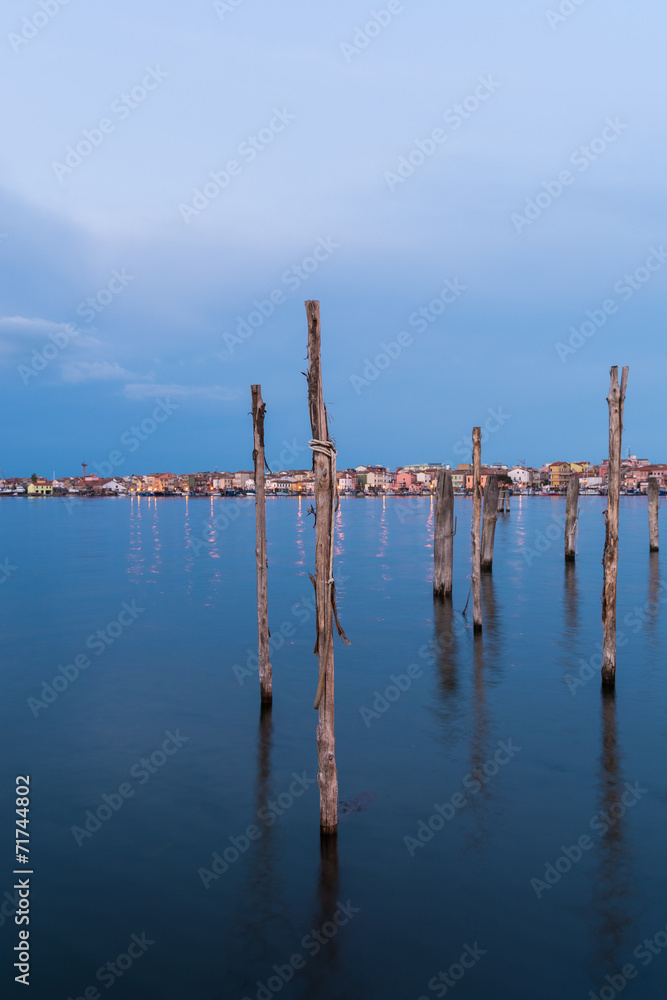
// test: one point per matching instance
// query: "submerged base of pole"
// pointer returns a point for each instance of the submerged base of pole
(608, 678)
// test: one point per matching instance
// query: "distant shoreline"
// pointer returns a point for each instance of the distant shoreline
(290, 496)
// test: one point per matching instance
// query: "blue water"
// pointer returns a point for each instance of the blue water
(180, 662)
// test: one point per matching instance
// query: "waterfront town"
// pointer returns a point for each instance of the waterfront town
(365, 480)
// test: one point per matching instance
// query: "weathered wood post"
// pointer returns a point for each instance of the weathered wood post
(443, 536)
(324, 470)
(476, 515)
(571, 518)
(489, 522)
(265, 671)
(616, 400)
(507, 499)
(653, 504)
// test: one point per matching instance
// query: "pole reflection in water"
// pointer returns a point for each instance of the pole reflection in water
(478, 831)
(493, 637)
(448, 641)
(613, 877)
(258, 927)
(570, 640)
(654, 595)
(570, 603)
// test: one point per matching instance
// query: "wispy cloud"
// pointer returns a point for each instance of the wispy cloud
(20, 333)
(149, 390)
(92, 371)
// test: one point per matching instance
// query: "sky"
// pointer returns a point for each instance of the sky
(473, 191)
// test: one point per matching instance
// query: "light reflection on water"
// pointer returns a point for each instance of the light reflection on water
(175, 668)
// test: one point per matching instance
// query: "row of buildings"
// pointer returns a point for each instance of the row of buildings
(369, 480)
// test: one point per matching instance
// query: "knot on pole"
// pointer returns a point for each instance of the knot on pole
(328, 449)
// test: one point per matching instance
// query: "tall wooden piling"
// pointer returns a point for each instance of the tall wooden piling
(476, 516)
(443, 536)
(324, 470)
(653, 504)
(616, 400)
(263, 635)
(571, 518)
(489, 522)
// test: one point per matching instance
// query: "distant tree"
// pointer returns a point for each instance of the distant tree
(34, 477)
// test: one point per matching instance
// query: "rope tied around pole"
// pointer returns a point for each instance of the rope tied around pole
(328, 449)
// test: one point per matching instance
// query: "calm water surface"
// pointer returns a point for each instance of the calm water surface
(181, 662)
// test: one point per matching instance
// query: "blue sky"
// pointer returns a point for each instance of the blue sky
(532, 150)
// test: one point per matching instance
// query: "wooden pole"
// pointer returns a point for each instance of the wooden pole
(653, 504)
(507, 499)
(265, 671)
(476, 514)
(571, 518)
(324, 470)
(489, 522)
(616, 400)
(443, 537)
